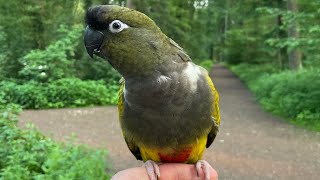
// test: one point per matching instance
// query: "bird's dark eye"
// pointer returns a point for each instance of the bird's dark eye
(117, 26)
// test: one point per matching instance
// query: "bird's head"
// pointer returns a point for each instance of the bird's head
(128, 39)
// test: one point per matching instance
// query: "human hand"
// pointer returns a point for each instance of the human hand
(168, 171)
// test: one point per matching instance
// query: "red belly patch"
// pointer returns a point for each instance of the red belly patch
(178, 156)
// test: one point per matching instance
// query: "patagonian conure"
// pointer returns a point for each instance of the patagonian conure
(168, 106)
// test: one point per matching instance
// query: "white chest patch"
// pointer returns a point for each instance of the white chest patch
(192, 72)
(163, 79)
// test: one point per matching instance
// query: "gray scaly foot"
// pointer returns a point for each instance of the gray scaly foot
(152, 169)
(202, 164)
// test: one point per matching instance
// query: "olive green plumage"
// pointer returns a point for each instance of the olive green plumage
(143, 35)
(168, 105)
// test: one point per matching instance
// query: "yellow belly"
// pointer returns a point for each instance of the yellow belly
(190, 153)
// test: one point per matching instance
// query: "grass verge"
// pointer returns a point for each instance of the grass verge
(295, 96)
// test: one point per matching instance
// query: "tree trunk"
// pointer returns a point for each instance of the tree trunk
(279, 54)
(130, 4)
(225, 29)
(295, 54)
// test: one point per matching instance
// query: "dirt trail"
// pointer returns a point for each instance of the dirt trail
(252, 145)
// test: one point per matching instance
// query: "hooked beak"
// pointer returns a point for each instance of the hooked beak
(93, 40)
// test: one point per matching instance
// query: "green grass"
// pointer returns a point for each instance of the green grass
(295, 96)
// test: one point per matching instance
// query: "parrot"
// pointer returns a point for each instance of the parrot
(168, 106)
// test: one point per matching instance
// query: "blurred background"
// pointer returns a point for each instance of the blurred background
(272, 46)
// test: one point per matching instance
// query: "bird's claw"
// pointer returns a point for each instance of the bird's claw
(202, 164)
(153, 169)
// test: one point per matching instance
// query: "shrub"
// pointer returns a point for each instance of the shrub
(207, 64)
(248, 73)
(54, 62)
(290, 93)
(27, 154)
(95, 69)
(75, 93)
(293, 95)
(68, 92)
(29, 95)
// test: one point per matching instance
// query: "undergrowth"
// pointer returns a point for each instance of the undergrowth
(27, 154)
(289, 94)
(67, 92)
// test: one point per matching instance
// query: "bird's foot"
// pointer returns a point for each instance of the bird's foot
(202, 164)
(152, 169)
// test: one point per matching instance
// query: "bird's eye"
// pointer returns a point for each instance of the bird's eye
(117, 26)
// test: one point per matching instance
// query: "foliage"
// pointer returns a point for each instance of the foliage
(207, 64)
(96, 69)
(309, 30)
(289, 93)
(74, 93)
(55, 61)
(254, 53)
(68, 92)
(186, 22)
(42, 61)
(257, 32)
(32, 25)
(3, 54)
(294, 95)
(52, 54)
(250, 73)
(27, 154)
(26, 95)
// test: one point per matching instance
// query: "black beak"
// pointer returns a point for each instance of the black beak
(92, 40)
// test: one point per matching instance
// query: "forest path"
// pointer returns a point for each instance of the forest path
(251, 145)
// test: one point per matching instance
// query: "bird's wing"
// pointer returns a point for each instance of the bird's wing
(215, 115)
(130, 143)
(183, 55)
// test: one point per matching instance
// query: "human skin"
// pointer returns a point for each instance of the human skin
(168, 171)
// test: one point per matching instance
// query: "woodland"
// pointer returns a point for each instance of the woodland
(271, 45)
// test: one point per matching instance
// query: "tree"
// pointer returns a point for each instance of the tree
(32, 25)
(130, 4)
(294, 54)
